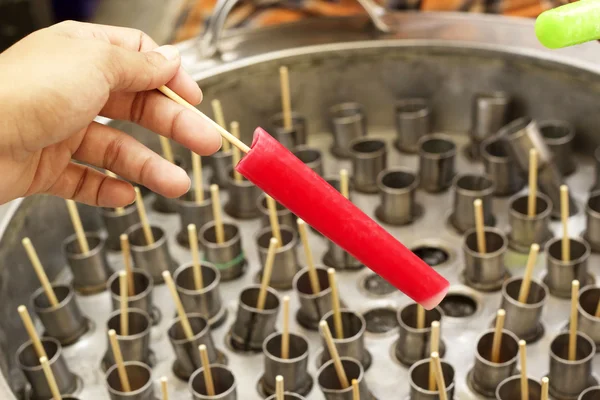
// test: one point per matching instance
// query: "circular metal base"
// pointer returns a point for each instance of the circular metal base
(566, 294)
(233, 272)
(485, 287)
(181, 374)
(239, 347)
(266, 391)
(232, 212)
(524, 248)
(478, 389)
(408, 362)
(417, 213)
(592, 381)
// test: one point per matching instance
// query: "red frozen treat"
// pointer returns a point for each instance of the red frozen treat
(288, 180)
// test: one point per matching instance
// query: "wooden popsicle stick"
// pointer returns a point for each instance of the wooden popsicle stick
(355, 390)
(124, 331)
(185, 323)
(167, 150)
(197, 268)
(116, 349)
(222, 131)
(164, 388)
(479, 226)
(526, 282)
(236, 156)
(76, 220)
(274, 221)
(216, 208)
(118, 210)
(40, 272)
(335, 304)
(420, 317)
(532, 196)
(197, 171)
(439, 376)
(435, 348)
(220, 118)
(310, 263)
(545, 389)
(208, 379)
(344, 184)
(573, 322)
(50, 379)
(564, 217)
(125, 249)
(143, 217)
(266, 274)
(497, 342)
(524, 380)
(285, 332)
(279, 388)
(35, 339)
(335, 356)
(286, 102)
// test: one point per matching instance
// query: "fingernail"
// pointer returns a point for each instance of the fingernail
(169, 52)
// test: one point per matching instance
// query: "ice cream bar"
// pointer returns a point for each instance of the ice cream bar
(288, 180)
(568, 25)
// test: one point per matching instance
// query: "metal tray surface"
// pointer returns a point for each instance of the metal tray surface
(387, 378)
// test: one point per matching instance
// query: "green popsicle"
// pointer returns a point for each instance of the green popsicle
(569, 25)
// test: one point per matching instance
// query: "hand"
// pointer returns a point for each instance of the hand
(54, 82)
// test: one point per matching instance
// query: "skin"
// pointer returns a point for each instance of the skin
(54, 82)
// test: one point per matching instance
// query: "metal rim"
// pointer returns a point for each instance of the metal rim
(146, 292)
(556, 123)
(157, 242)
(487, 362)
(423, 108)
(402, 170)
(205, 331)
(584, 360)
(560, 262)
(367, 155)
(419, 389)
(336, 110)
(530, 381)
(214, 245)
(330, 363)
(285, 360)
(57, 354)
(286, 247)
(136, 336)
(357, 335)
(265, 311)
(264, 210)
(205, 289)
(189, 203)
(439, 137)
(212, 367)
(133, 393)
(81, 256)
(544, 214)
(583, 312)
(515, 302)
(486, 255)
(408, 328)
(488, 190)
(61, 303)
(595, 194)
(112, 213)
(312, 296)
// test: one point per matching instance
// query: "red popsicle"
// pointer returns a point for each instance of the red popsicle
(274, 169)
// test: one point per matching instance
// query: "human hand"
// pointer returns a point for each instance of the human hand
(54, 82)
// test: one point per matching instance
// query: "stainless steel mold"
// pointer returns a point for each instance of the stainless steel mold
(500, 167)
(90, 270)
(437, 158)
(348, 122)
(489, 112)
(413, 121)
(116, 224)
(290, 138)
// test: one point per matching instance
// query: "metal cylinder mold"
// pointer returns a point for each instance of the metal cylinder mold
(187, 356)
(348, 122)
(142, 297)
(289, 138)
(468, 188)
(243, 195)
(191, 212)
(293, 369)
(522, 135)
(398, 187)
(414, 343)
(561, 273)
(419, 381)
(489, 112)
(64, 322)
(526, 230)
(596, 185)
(117, 224)
(136, 345)
(559, 136)
(592, 227)
(590, 393)
(286, 260)
(284, 216)
(486, 375)
(164, 204)
(485, 271)
(312, 157)
(413, 121)
(228, 257)
(369, 158)
(29, 363)
(569, 378)
(90, 270)
(205, 301)
(313, 306)
(589, 324)
(223, 380)
(338, 258)
(437, 158)
(510, 389)
(330, 384)
(154, 258)
(353, 342)
(500, 168)
(221, 161)
(140, 379)
(252, 326)
(524, 319)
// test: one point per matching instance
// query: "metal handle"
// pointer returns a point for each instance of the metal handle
(216, 23)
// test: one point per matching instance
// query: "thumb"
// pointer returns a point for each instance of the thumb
(134, 71)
